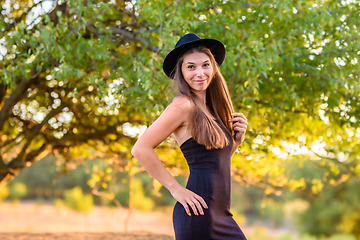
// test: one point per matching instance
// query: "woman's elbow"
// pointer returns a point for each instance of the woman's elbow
(135, 151)
(141, 150)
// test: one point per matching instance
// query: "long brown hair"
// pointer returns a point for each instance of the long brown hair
(202, 127)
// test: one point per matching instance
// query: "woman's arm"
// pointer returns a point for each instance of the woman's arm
(176, 114)
(239, 126)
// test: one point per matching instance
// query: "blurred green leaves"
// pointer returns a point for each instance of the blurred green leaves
(4, 193)
(18, 191)
(75, 199)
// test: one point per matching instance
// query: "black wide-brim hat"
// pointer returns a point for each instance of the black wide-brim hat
(190, 40)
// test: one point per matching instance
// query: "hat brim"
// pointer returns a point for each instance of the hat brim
(215, 46)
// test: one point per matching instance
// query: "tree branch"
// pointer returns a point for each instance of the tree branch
(130, 36)
(85, 137)
(4, 170)
(16, 167)
(3, 89)
(109, 196)
(10, 141)
(19, 160)
(262, 184)
(282, 109)
(335, 160)
(14, 98)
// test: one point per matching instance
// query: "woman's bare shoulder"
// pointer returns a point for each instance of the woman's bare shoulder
(184, 106)
(179, 110)
(182, 102)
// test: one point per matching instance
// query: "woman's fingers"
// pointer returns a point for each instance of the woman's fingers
(238, 117)
(186, 207)
(239, 121)
(202, 201)
(195, 206)
(239, 124)
(191, 200)
(240, 127)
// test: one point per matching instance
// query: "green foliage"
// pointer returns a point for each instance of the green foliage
(342, 237)
(43, 180)
(261, 233)
(46, 177)
(18, 191)
(77, 200)
(4, 193)
(334, 237)
(336, 211)
(122, 193)
(274, 211)
(295, 207)
(251, 202)
(138, 199)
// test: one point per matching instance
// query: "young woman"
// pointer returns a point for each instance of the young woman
(203, 122)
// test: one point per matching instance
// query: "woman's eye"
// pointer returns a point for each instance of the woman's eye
(190, 67)
(206, 65)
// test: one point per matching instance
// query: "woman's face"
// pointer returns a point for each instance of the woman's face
(197, 70)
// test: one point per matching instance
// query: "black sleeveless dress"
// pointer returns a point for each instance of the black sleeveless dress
(210, 178)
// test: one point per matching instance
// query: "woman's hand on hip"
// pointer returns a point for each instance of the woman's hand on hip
(189, 198)
(239, 126)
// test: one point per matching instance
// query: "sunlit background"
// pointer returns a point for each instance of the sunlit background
(80, 81)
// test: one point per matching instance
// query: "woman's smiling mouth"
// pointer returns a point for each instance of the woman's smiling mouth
(200, 81)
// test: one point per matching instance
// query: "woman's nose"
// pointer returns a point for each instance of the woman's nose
(200, 72)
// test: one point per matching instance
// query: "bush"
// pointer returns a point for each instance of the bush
(18, 190)
(122, 192)
(333, 237)
(274, 212)
(4, 193)
(342, 237)
(77, 200)
(139, 200)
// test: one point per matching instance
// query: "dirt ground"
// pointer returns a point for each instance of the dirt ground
(27, 220)
(31, 221)
(84, 236)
